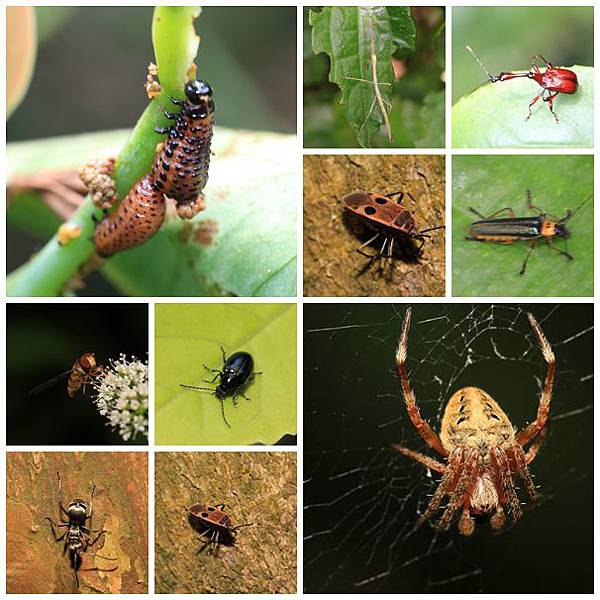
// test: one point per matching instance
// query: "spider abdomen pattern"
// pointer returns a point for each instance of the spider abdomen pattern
(472, 418)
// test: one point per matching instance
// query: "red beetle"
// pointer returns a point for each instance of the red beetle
(552, 80)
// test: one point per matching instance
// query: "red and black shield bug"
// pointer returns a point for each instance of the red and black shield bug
(553, 80)
(213, 524)
(388, 219)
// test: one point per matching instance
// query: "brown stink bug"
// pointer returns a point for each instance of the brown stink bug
(214, 526)
(388, 219)
(212, 523)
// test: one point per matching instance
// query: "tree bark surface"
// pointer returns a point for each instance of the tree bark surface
(35, 561)
(332, 266)
(258, 488)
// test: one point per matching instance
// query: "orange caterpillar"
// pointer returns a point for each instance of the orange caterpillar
(180, 172)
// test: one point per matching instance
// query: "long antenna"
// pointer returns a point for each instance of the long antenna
(488, 74)
(571, 214)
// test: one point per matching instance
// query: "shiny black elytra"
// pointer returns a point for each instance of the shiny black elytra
(235, 375)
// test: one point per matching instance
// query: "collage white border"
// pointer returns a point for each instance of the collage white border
(299, 300)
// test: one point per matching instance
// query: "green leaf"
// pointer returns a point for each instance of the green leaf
(493, 116)
(433, 116)
(345, 34)
(489, 183)
(188, 335)
(252, 216)
(243, 244)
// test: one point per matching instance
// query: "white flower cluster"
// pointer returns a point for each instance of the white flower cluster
(122, 396)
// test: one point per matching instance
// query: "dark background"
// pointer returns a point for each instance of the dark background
(43, 340)
(361, 499)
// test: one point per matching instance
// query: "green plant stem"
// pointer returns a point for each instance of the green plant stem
(175, 46)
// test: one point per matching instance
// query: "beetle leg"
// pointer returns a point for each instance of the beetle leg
(89, 516)
(401, 194)
(382, 251)
(61, 508)
(217, 371)
(565, 254)
(530, 204)
(359, 250)
(529, 253)
(53, 525)
(550, 100)
(506, 209)
(224, 355)
(532, 103)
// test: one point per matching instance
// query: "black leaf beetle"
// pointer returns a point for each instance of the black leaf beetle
(235, 375)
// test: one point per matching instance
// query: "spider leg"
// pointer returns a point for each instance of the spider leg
(520, 460)
(460, 492)
(423, 428)
(446, 483)
(504, 483)
(429, 462)
(533, 429)
(535, 446)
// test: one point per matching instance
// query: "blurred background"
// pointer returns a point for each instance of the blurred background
(43, 341)
(91, 69)
(505, 39)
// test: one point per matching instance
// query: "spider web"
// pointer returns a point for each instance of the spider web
(362, 499)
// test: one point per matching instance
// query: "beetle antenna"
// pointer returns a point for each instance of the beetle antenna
(223, 412)
(432, 229)
(193, 387)
(491, 77)
(570, 214)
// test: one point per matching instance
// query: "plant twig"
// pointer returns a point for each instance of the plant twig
(386, 121)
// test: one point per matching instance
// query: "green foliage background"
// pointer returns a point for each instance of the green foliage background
(188, 336)
(505, 39)
(336, 49)
(489, 183)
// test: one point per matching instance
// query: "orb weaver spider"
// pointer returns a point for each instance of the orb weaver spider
(483, 451)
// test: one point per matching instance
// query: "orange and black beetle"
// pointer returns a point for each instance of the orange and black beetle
(214, 526)
(388, 218)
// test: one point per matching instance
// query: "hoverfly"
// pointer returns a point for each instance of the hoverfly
(84, 370)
